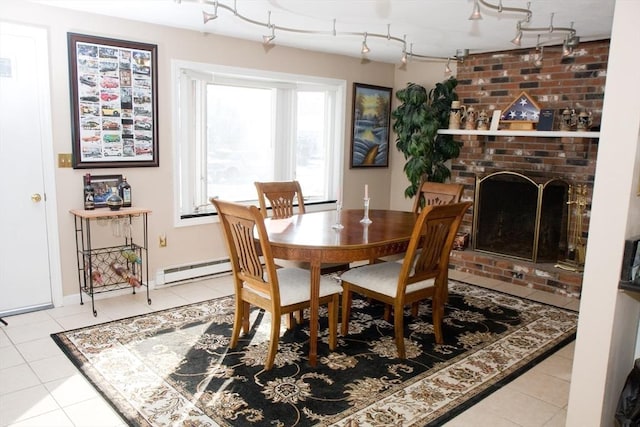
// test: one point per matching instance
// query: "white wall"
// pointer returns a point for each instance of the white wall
(609, 317)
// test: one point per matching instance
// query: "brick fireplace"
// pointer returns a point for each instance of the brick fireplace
(492, 81)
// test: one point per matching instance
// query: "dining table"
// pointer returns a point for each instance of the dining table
(337, 236)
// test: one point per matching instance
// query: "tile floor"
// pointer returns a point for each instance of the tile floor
(39, 386)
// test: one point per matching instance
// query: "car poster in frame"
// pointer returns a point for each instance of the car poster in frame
(114, 102)
(371, 125)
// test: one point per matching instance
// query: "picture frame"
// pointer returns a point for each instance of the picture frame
(114, 102)
(102, 188)
(371, 126)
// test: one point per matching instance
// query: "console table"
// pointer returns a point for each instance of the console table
(109, 268)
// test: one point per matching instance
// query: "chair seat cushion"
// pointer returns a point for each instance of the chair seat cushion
(295, 285)
(382, 278)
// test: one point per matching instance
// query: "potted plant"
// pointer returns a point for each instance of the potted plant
(416, 123)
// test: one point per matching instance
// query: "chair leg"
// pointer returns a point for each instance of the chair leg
(387, 313)
(238, 321)
(414, 308)
(438, 314)
(333, 322)
(245, 317)
(346, 310)
(273, 342)
(398, 323)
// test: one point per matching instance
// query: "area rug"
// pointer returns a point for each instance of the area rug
(174, 367)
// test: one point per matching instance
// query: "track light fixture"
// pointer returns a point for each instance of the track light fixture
(521, 28)
(209, 16)
(365, 49)
(447, 68)
(267, 39)
(475, 14)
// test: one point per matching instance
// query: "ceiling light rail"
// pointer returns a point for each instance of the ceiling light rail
(571, 40)
(274, 29)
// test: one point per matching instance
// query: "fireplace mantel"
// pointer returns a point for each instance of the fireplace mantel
(536, 133)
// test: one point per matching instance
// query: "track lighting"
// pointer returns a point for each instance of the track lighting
(365, 48)
(447, 69)
(269, 38)
(517, 40)
(210, 16)
(526, 19)
(475, 15)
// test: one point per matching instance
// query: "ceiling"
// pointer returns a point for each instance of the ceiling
(433, 28)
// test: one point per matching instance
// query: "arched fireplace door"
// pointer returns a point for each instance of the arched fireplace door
(521, 217)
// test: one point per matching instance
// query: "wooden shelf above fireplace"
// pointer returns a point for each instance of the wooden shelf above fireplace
(535, 133)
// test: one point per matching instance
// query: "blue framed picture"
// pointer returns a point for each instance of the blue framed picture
(371, 125)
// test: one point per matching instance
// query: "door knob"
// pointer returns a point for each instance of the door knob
(36, 197)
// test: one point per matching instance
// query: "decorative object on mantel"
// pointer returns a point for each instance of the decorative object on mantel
(457, 114)
(470, 119)
(495, 120)
(545, 122)
(522, 113)
(483, 121)
(584, 121)
(568, 119)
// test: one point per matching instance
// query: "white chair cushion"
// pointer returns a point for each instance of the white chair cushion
(295, 285)
(382, 278)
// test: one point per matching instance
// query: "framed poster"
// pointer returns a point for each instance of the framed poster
(371, 126)
(114, 102)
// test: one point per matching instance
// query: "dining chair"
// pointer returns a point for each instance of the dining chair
(258, 282)
(423, 273)
(283, 196)
(437, 193)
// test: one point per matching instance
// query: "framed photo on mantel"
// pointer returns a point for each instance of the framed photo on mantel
(114, 102)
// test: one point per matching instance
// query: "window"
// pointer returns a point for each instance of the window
(239, 126)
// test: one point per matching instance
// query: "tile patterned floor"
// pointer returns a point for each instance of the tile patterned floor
(39, 386)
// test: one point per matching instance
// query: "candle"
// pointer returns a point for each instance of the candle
(366, 191)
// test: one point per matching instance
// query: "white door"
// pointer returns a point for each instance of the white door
(25, 140)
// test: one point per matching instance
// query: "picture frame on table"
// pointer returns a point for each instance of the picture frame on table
(103, 186)
(114, 102)
(371, 127)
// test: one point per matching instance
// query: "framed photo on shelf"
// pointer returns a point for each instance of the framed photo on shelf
(371, 126)
(114, 102)
(103, 187)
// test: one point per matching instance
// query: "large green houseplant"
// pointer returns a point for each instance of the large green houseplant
(416, 123)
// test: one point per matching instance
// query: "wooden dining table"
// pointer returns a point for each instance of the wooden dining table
(313, 237)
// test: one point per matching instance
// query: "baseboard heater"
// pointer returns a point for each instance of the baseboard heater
(176, 275)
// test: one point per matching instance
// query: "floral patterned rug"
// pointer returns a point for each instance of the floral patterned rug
(174, 367)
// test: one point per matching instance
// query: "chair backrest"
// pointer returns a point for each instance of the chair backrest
(282, 197)
(431, 242)
(241, 225)
(437, 193)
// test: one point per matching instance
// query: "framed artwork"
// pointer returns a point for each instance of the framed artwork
(114, 102)
(103, 187)
(371, 126)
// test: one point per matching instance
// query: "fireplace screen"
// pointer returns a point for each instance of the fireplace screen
(519, 217)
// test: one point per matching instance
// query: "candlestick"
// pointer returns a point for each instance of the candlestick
(365, 219)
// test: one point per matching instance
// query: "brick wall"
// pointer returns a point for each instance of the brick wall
(492, 81)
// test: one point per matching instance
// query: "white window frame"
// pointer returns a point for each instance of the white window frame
(185, 132)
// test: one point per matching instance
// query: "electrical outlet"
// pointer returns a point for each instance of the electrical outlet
(163, 240)
(64, 160)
